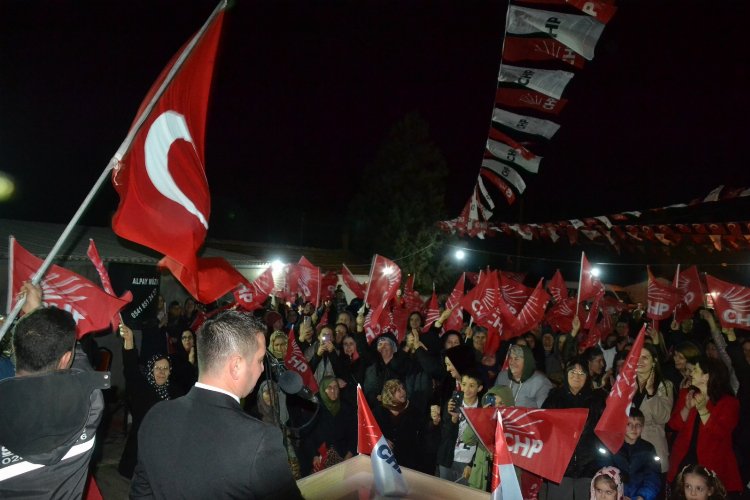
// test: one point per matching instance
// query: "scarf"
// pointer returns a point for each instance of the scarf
(332, 406)
(161, 390)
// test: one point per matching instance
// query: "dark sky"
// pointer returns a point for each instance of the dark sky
(305, 91)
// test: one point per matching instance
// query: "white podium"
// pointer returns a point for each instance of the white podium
(352, 480)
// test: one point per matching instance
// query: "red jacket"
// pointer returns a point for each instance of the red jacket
(714, 439)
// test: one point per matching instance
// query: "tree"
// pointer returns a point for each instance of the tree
(400, 197)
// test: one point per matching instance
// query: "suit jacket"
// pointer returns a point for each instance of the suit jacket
(203, 445)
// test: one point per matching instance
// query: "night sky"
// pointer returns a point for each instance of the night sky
(305, 92)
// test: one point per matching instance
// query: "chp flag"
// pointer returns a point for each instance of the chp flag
(159, 171)
(389, 480)
(612, 424)
(385, 278)
(689, 283)
(295, 361)
(92, 308)
(662, 298)
(252, 295)
(731, 301)
(539, 441)
(504, 480)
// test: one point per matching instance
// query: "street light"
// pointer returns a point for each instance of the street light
(277, 265)
(460, 254)
(595, 272)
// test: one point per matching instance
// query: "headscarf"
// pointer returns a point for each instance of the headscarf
(161, 390)
(501, 392)
(614, 474)
(332, 406)
(529, 363)
(275, 335)
(386, 396)
(267, 411)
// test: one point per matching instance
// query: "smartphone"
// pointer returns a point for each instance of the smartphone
(307, 320)
(326, 337)
(489, 400)
(458, 398)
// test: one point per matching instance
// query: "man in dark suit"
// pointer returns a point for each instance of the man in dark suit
(203, 445)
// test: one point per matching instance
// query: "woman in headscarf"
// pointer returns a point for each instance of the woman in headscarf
(481, 468)
(277, 345)
(143, 391)
(352, 368)
(530, 387)
(400, 422)
(335, 427)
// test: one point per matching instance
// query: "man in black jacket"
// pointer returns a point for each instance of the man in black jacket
(50, 410)
(203, 445)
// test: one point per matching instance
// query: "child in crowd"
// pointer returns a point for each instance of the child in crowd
(607, 485)
(697, 482)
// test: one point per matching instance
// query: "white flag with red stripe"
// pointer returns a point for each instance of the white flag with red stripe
(504, 480)
(525, 124)
(547, 81)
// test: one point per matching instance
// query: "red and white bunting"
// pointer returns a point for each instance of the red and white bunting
(580, 33)
(506, 172)
(525, 124)
(526, 48)
(527, 98)
(548, 82)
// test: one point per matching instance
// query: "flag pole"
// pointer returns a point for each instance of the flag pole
(676, 285)
(123, 149)
(369, 281)
(580, 278)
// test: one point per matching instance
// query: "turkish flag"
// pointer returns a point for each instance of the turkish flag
(385, 278)
(533, 310)
(431, 313)
(611, 426)
(160, 176)
(589, 286)
(456, 320)
(662, 298)
(514, 293)
(504, 480)
(252, 296)
(689, 283)
(557, 288)
(540, 441)
(731, 301)
(357, 288)
(295, 361)
(92, 309)
(328, 284)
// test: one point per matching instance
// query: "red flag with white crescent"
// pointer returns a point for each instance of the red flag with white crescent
(662, 298)
(614, 420)
(92, 308)
(732, 302)
(160, 176)
(252, 296)
(385, 278)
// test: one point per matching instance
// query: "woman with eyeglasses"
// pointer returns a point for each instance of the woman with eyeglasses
(143, 390)
(576, 392)
(704, 418)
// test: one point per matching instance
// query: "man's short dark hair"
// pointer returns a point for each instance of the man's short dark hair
(41, 338)
(228, 333)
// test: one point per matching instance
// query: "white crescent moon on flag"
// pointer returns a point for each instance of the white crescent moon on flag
(166, 129)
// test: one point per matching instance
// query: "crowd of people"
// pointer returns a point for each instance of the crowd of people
(685, 435)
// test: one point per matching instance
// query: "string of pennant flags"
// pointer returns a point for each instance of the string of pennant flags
(628, 230)
(563, 38)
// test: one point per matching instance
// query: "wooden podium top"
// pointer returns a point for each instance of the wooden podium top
(352, 479)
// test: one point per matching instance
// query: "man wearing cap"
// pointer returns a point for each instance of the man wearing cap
(50, 410)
